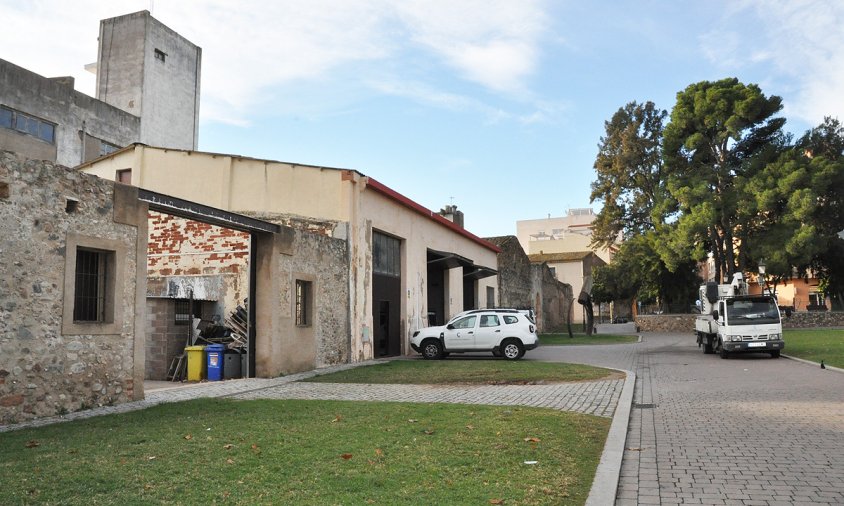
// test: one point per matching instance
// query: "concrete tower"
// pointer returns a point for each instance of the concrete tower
(150, 71)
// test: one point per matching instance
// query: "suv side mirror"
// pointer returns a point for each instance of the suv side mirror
(715, 314)
(450, 327)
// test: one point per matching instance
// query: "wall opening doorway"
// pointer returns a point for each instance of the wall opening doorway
(386, 294)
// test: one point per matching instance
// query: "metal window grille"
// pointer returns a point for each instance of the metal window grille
(303, 310)
(184, 312)
(89, 297)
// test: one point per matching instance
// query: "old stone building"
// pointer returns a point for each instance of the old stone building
(407, 265)
(524, 285)
(148, 81)
(73, 248)
(73, 289)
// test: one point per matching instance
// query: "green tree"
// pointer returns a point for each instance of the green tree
(720, 134)
(630, 174)
(638, 271)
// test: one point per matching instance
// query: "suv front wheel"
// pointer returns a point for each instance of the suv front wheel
(512, 349)
(432, 349)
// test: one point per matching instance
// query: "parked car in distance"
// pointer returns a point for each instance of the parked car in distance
(504, 332)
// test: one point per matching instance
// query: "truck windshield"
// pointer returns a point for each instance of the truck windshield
(752, 311)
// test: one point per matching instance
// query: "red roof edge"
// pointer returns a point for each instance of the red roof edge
(424, 211)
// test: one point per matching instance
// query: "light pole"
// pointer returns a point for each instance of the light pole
(762, 282)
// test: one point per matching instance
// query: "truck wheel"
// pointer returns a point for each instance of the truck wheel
(723, 352)
(775, 354)
(432, 350)
(512, 349)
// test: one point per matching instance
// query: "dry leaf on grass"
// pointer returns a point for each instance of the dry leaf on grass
(32, 444)
(496, 501)
(228, 446)
(532, 439)
(337, 419)
(188, 437)
(346, 456)
(229, 461)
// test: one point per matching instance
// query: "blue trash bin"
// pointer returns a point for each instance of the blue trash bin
(214, 355)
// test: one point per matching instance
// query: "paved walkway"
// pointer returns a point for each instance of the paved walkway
(750, 430)
(595, 397)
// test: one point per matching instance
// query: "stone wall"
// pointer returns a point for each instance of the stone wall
(680, 323)
(812, 319)
(556, 297)
(515, 277)
(686, 322)
(524, 285)
(49, 363)
(323, 261)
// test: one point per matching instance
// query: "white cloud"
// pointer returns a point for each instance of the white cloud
(801, 43)
(252, 49)
(493, 43)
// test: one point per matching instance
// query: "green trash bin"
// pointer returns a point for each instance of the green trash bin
(196, 362)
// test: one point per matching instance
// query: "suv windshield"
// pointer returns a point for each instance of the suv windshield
(751, 311)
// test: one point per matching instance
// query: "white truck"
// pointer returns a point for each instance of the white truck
(731, 321)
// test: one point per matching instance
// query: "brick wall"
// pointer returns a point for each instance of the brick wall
(184, 248)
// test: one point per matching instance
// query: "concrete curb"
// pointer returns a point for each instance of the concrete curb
(607, 475)
(816, 364)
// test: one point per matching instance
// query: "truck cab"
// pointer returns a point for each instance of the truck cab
(734, 322)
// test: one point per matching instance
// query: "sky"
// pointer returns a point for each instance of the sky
(495, 106)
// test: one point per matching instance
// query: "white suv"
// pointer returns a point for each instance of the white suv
(504, 332)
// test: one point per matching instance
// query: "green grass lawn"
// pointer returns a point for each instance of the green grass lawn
(306, 452)
(816, 345)
(455, 370)
(564, 339)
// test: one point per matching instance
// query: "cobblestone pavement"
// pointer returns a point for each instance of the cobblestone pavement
(750, 430)
(593, 397)
(596, 397)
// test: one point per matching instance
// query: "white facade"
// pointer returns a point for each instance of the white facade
(562, 234)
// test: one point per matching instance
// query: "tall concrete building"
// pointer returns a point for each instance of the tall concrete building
(150, 71)
(148, 80)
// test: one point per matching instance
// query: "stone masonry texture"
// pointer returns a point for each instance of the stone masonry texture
(686, 322)
(42, 371)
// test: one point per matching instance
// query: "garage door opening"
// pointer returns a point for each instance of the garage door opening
(201, 285)
(386, 294)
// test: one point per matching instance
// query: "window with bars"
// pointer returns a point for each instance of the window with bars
(184, 311)
(90, 295)
(303, 303)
